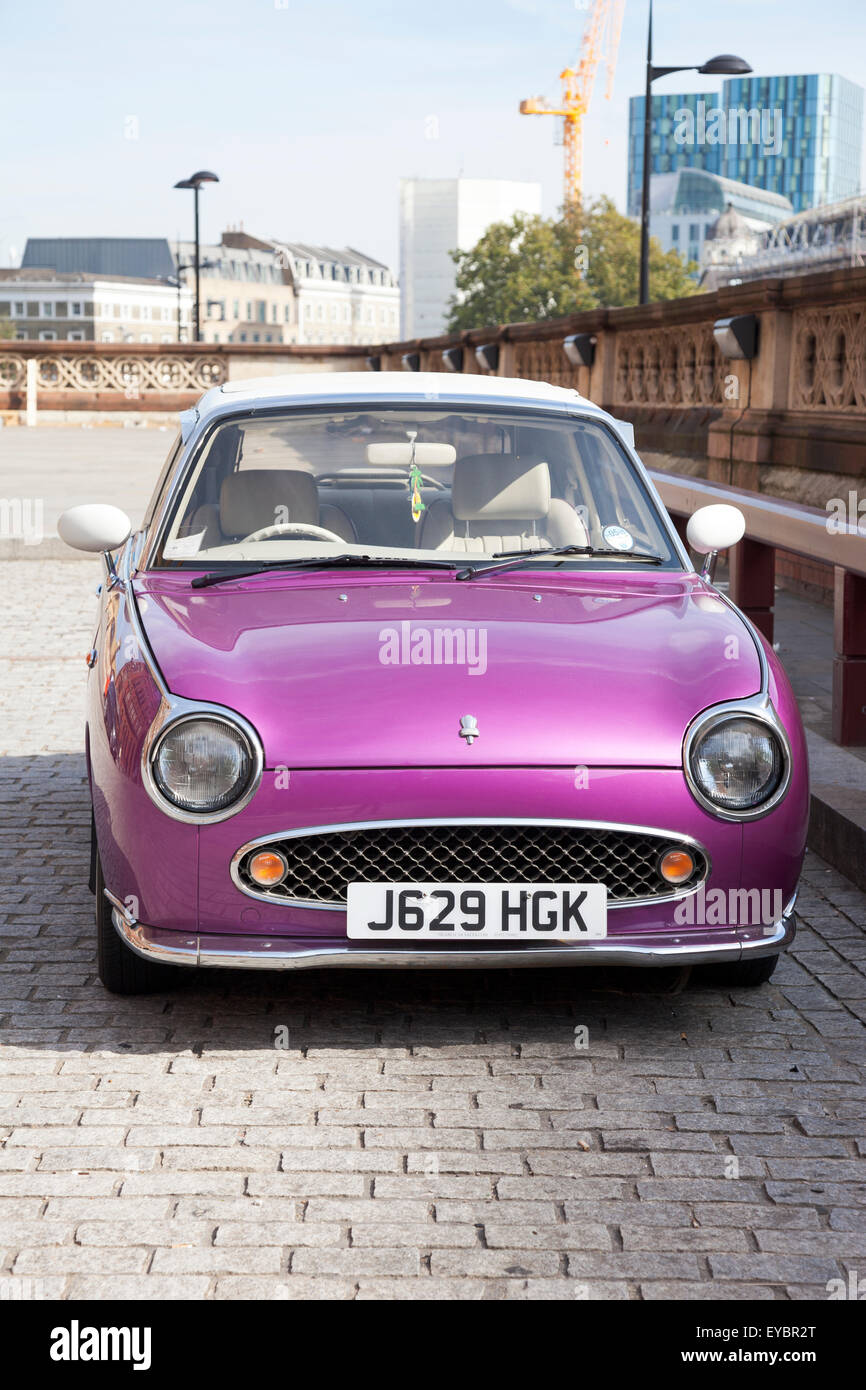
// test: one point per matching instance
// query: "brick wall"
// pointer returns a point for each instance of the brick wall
(811, 579)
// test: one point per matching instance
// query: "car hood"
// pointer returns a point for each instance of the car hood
(354, 671)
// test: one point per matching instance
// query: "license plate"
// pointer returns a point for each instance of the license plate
(477, 911)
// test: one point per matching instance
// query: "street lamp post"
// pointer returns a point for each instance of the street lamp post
(195, 182)
(178, 283)
(726, 63)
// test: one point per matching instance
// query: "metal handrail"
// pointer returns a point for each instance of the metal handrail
(771, 520)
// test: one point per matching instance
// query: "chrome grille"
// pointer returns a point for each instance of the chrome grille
(322, 863)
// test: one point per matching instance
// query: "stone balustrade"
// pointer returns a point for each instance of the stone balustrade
(49, 380)
(799, 404)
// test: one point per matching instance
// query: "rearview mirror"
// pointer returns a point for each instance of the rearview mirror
(398, 454)
(94, 527)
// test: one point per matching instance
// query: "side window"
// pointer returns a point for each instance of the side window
(167, 468)
(619, 499)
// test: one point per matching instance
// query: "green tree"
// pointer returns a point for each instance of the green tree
(541, 268)
(7, 329)
(519, 271)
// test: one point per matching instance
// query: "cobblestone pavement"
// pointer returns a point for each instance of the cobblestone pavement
(407, 1136)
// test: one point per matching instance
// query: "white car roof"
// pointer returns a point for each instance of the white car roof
(359, 386)
(398, 383)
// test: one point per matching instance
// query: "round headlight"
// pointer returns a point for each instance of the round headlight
(738, 764)
(202, 765)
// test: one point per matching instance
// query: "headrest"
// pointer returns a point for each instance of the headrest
(500, 487)
(257, 497)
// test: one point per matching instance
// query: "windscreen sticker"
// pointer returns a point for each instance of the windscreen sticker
(183, 546)
(618, 538)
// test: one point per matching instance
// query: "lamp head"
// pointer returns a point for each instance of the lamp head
(726, 63)
(196, 180)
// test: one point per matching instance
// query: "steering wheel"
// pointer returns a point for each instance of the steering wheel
(293, 528)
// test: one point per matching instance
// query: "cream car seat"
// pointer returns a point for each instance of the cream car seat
(258, 497)
(500, 502)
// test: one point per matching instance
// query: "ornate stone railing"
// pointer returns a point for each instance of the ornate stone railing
(545, 360)
(828, 359)
(659, 366)
(668, 366)
(88, 372)
(38, 379)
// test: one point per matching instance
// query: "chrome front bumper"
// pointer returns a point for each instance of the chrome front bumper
(273, 953)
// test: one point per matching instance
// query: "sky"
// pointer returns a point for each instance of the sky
(310, 111)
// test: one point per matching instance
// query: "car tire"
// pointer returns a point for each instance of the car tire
(743, 974)
(120, 969)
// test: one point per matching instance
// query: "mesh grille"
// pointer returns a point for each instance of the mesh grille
(321, 865)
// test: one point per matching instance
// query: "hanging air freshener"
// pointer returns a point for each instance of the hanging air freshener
(415, 481)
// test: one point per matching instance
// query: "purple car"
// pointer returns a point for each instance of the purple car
(414, 670)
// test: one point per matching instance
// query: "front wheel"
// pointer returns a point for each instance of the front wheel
(742, 974)
(119, 968)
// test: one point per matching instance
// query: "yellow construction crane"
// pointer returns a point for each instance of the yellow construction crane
(600, 42)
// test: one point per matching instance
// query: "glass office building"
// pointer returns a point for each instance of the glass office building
(667, 153)
(819, 120)
(798, 136)
(685, 208)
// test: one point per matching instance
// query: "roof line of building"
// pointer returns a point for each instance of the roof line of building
(46, 275)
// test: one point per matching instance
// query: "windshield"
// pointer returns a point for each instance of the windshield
(414, 483)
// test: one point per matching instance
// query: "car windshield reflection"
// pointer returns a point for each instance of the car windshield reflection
(463, 485)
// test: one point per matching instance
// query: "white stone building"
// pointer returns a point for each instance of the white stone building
(438, 216)
(54, 305)
(258, 291)
(342, 296)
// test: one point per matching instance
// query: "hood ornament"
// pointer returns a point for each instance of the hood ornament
(468, 728)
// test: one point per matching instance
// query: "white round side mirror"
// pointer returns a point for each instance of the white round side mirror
(95, 527)
(717, 527)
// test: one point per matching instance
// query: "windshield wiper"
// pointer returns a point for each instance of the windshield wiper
(511, 559)
(204, 581)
